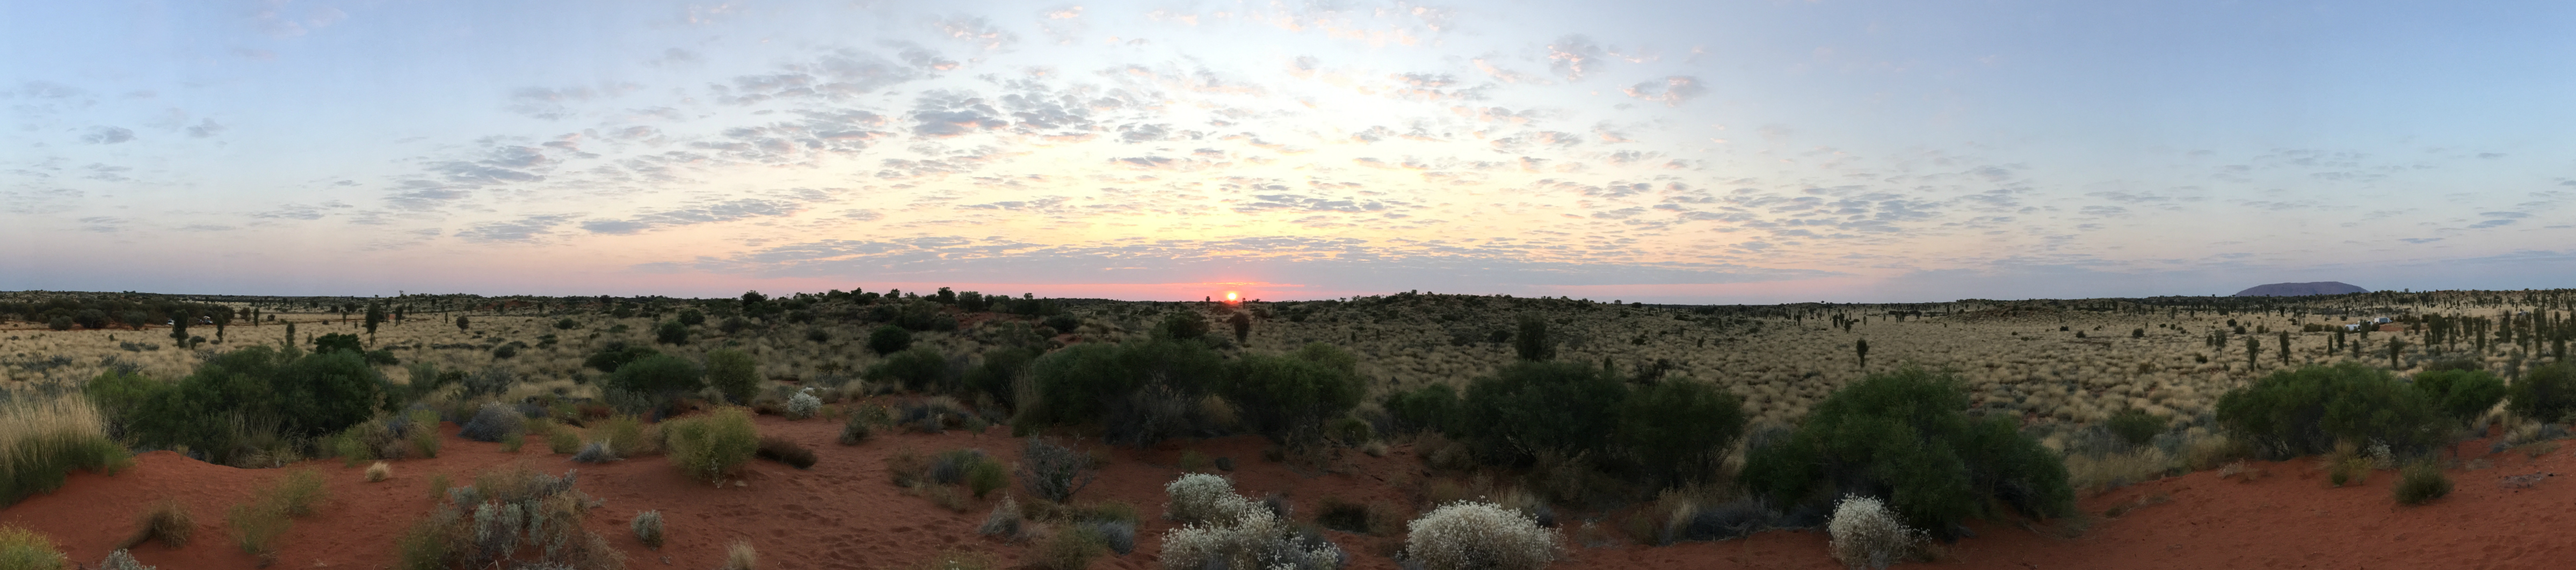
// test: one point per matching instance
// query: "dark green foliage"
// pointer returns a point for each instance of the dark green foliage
(1433, 407)
(91, 318)
(616, 355)
(658, 375)
(328, 343)
(460, 322)
(245, 392)
(1533, 406)
(692, 317)
(671, 332)
(1001, 370)
(1061, 323)
(2462, 394)
(919, 369)
(2421, 482)
(1054, 472)
(2547, 393)
(1286, 398)
(1242, 324)
(1681, 430)
(60, 323)
(1182, 325)
(1141, 391)
(2304, 411)
(1533, 343)
(1905, 437)
(889, 339)
(734, 373)
(733, 325)
(567, 324)
(2135, 426)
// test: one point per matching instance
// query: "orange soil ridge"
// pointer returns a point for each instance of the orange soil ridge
(845, 514)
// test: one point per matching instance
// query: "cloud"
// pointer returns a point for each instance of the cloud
(1672, 91)
(205, 128)
(108, 135)
(524, 229)
(424, 196)
(1575, 56)
(725, 211)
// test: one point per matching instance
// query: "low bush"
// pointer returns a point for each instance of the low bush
(624, 435)
(122, 560)
(1000, 373)
(919, 369)
(1005, 521)
(787, 451)
(2135, 426)
(1071, 548)
(1258, 539)
(659, 376)
(803, 405)
(2463, 395)
(1368, 518)
(1471, 535)
(616, 355)
(1140, 392)
(734, 373)
(493, 422)
(2305, 411)
(1199, 498)
(379, 472)
(42, 439)
(563, 440)
(1866, 535)
(2546, 393)
(1906, 435)
(594, 452)
(422, 431)
(505, 510)
(1529, 407)
(713, 446)
(2421, 482)
(241, 407)
(1054, 472)
(22, 548)
(1680, 431)
(648, 529)
(889, 339)
(856, 430)
(1287, 398)
(985, 476)
(1429, 408)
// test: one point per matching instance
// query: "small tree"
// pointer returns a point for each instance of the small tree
(179, 328)
(375, 316)
(1242, 327)
(889, 339)
(460, 323)
(1862, 346)
(671, 332)
(1532, 343)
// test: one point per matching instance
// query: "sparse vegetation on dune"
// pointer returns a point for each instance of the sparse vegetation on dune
(1667, 423)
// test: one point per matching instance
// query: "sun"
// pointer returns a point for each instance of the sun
(1232, 297)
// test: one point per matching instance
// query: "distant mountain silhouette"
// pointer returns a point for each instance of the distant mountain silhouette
(2299, 289)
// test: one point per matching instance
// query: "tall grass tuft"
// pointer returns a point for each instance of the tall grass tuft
(42, 439)
(166, 520)
(713, 446)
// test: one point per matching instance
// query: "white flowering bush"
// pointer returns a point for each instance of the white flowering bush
(1469, 535)
(1866, 535)
(1200, 498)
(803, 405)
(1223, 529)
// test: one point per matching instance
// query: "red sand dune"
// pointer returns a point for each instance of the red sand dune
(845, 514)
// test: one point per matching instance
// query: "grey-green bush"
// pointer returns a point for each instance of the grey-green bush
(1906, 436)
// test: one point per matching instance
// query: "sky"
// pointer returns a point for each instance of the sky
(1676, 152)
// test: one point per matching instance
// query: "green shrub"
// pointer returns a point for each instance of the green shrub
(692, 317)
(985, 475)
(563, 441)
(1531, 406)
(734, 373)
(856, 430)
(1433, 408)
(712, 446)
(2421, 482)
(42, 439)
(283, 394)
(1681, 430)
(422, 429)
(2462, 394)
(920, 369)
(25, 549)
(1182, 325)
(2304, 411)
(616, 355)
(671, 332)
(1143, 392)
(2135, 426)
(1286, 398)
(2546, 393)
(1054, 472)
(1905, 436)
(1070, 549)
(889, 339)
(998, 376)
(658, 375)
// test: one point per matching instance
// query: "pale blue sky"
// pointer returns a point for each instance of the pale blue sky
(1674, 151)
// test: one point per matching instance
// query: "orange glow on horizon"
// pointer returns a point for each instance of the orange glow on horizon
(1231, 297)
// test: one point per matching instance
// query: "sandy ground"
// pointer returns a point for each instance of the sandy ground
(844, 513)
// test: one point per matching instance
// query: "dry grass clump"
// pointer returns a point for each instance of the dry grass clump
(2421, 482)
(713, 446)
(1070, 548)
(166, 520)
(740, 556)
(505, 514)
(44, 437)
(379, 472)
(648, 529)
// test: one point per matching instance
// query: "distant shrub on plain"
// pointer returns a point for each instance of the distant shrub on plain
(1054, 472)
(616, 355)
(2135, 426)
(2305, 411)
(713, 446)
(1470, 535)
(648, 528)
(658, 375)
(1906, 435)
(803, 405)
(889, 339)
(919, 369)
(1141, 392)
(493, 422)
(733, 372)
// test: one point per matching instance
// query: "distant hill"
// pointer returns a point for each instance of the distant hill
(2299, 289)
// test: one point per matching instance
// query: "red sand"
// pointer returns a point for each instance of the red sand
(845, 514)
